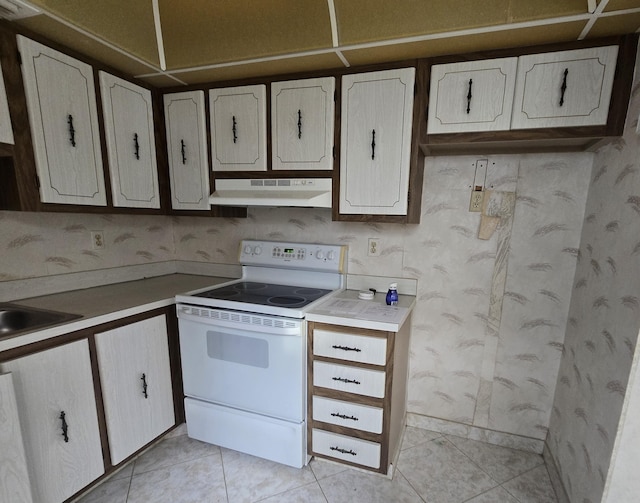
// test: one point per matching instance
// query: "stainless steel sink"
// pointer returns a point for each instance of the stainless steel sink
(15, 318)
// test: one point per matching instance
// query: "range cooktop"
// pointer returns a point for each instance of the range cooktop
(265, 294)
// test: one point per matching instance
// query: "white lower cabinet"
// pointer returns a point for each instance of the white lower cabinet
(57, 408)
(14, 476)
(357, 394)
(136, 384)
(6, 131)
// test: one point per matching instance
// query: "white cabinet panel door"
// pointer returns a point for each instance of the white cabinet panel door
(471, 96)
(187, 145)
(48, 384)
(238, 128)
(136, 384)
(64, 125)
(14, 477)
(375, 147)
(128, 122)
(302, 124)
(567, 88)
(6, 131)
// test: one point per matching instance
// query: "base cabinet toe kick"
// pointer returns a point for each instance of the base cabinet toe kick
(357, 394)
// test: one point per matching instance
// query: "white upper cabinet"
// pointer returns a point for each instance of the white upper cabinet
(375, 146)
(128, 121)
(136, 384)
(238, 128)
(302, 124)
(59, 420)
(568, 88)
(6, 132)
(64, 125)
(471, 96)
(187, 145)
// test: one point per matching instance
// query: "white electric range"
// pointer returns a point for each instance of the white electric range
(243, 348)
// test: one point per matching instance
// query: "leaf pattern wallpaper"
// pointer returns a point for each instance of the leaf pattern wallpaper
(604, 319)
(527, 312)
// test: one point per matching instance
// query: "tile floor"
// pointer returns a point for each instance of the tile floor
(432, 468)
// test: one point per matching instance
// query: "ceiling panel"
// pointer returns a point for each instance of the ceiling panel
(199, 32)
(613, 25)
(621, 5)
(277, 67)
(362, 21)
(467, 44)
(520, 11)
(83, 44)
(127, 24)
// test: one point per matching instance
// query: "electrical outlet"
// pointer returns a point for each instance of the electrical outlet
(374, 247)
(476, 200)
(97, 240)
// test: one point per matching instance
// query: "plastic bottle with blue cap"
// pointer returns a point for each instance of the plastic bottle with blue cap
(392, 295)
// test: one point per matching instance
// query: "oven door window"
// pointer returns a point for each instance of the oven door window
(240, 349)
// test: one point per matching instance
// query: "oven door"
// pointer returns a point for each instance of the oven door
(246, 361)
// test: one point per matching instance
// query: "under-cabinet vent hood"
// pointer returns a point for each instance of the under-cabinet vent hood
(298, 192)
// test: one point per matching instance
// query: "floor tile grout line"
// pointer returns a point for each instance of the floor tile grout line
(411, 485)
(472, 461)
(224, 474)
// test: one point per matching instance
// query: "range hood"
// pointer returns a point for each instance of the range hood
(297, 192)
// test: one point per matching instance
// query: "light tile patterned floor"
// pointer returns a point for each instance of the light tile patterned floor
(432, 468)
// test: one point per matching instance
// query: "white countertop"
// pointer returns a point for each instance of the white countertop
(103, 304)
(344, 308)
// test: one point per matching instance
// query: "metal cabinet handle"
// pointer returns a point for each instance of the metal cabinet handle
(136, 146)
(343, 451)
(563, 87)
(234, 129)
(299, 124)
(65, 426)
(183, 151)
(72, 131)
(469, 96)
(346, 348)
(344, 416)
(144, 385)
(345, 380)
(373, 144)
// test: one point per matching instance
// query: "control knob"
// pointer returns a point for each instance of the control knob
(247, 249)
(257, 250)
(319, 254)
(331, 255)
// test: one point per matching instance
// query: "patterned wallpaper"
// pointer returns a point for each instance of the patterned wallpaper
(489, 326)
(604, 319)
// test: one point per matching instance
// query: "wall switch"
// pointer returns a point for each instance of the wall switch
(476, 200)
(97, 240)
(374, 247)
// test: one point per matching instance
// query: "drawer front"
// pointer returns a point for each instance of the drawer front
(356, 348)
(350, 379)
(351, 415)
(350, 449)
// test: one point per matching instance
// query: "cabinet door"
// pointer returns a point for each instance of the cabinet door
(64, 125)
(6, 131)
(187, 145)
(375, 146)
(128, 123)
(48, 384)
(471, 96)
(136, 384)
(14, 477)
(238, 128)
(302, 124)
(568, 88)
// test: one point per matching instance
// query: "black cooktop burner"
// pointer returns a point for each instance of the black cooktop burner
(265, 294)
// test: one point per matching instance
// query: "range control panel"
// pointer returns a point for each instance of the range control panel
(316, 257)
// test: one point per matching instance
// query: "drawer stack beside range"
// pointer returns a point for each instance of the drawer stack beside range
(357, 394)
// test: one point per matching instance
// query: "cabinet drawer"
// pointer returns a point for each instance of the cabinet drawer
(357, 348)
(352, 415)
(350, 379)
(350, 449)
